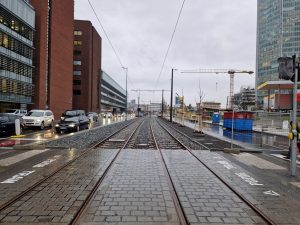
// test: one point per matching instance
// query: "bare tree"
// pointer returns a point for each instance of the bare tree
(201, 98)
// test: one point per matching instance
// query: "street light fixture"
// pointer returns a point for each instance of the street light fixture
(126, 68)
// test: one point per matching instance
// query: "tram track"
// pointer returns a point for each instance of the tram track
(107, 144)
(259, 212)
(175, 197)
(154, 135)
(142, 139)
(19, 196)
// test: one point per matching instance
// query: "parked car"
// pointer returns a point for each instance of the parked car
(72, 120)
(19, 112)
(7, 124)
(108, 115)
(93, 115)
(39, 118)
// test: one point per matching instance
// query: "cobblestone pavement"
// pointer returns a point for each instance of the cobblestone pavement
(40, 166)
(281, 206)
(60, 197)
(135, 191)
(204, 198)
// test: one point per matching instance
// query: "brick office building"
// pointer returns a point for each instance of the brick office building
(53, 55)
(86, 67)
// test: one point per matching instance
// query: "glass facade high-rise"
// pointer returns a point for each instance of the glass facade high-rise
(278, 34)
(17, 22)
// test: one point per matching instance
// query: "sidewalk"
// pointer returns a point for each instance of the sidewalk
(247, 146)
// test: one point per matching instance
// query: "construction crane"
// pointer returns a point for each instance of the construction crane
(145, 90)
(231, 73)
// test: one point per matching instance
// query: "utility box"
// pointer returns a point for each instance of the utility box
(216, 117)
(243, 120)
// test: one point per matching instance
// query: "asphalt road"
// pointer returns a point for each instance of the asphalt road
(34, 135)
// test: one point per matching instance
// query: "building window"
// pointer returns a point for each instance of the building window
(15, 45)
(5, 41)
(77, 62)
(76, 92)
(77, 72)
(77, 52)
(76, 82)
(77, 32)
(77, 43)
(15, 24)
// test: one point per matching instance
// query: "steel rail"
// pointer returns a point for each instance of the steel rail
(77, 216)
(266, 218)
(175, 197)
(183, 134)
(23, 193)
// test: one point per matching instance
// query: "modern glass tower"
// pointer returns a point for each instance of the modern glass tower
(17, 22)
(278, 34)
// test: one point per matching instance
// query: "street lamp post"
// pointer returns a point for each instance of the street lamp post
(126, 68)
(171, 105)
(162, 103)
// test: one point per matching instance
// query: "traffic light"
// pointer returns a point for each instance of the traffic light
(286, 68)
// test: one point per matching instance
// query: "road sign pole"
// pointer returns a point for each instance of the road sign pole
(232, 122)
(294, 142)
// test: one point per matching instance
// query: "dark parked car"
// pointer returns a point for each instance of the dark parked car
(72, 120)
(7, 124)
(93, 115)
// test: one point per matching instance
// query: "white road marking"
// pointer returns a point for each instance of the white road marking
(297, 184)
(14, 159)
(273, 193)
(279, 156)
(46, 162)
(248, 179)
(17, 177)
(283, 157)
(253, 160)
(227, 165)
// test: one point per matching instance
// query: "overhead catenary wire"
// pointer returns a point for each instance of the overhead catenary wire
(109, 41)
(170, 43)
(111, 45)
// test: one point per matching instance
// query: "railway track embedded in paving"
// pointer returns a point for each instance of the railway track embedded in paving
(175, 135)
(19, 196)
(179, 209)
(120, 143)
(142, 139)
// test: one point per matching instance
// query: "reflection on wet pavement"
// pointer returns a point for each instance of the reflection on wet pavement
(255, 139)
(35, 137)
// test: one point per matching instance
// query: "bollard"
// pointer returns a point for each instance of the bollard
(91, 121)
(17, 127)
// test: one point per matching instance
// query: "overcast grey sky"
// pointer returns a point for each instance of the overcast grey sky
(210, 34)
